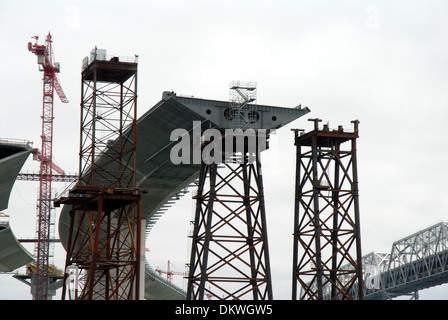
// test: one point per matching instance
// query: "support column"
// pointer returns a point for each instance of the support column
(229, 255)
(105, 236)
(105, 244)
(141, 274)
(327, 257)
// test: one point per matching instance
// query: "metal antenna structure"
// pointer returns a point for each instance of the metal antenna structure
(51, 83)
(327, 260)
(229, 256)
(105, 238)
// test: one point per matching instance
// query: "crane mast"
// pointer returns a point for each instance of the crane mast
(51, 83)
(169, 272)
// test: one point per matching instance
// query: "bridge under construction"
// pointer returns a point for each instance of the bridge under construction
(127, 180)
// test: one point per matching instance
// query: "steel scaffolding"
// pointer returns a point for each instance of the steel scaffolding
(105, 234)
(242, 111)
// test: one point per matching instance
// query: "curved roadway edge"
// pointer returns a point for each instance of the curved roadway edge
(13, 155)
(158, 288)
(12, 254)
(164, 180)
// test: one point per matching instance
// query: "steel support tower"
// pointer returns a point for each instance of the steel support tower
(51, 83)
(327, 259)
(105, 235)
(229, 254)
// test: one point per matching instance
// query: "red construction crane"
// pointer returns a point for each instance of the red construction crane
(169, 273)
(50, 69)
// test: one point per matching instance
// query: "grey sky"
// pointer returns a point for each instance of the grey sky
(381, 62)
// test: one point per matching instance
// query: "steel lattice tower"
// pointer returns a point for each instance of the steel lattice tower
(105, 233)
(229, 255)
(327, 260)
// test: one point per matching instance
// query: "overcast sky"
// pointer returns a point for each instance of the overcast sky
(381, 62)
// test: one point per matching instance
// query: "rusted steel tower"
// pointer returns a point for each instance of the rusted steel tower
(105, 235)
(230, 256)
(327, 259)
